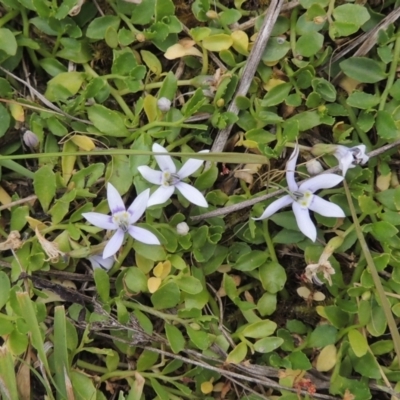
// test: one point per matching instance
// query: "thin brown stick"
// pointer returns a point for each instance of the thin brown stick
(250, 69)
(33, 197)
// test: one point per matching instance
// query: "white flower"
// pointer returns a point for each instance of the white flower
(98, 261)
(30, 139)
(164, 104)
(303, 199)
(349, 157)
(122, 220)
(182, 228)
(169, 179)
(314, 167)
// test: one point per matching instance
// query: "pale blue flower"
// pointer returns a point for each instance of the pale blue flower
(168, 179)
(303, 199)
(122, 220)
(349, 157)
(98, 261)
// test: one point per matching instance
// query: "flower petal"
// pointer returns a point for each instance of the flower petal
(326, 208)
(360, 156)
(100, 220)
(346, 162)
(161, 195)
(143, 235)
(324, 181)
(164, 162)
(290, 170)
(138, 207)
(190, 166)
(192, 194)
(275, 206)
(114, 199)
(150, 174)
(114, 244)
(98, 261)
(304, 222)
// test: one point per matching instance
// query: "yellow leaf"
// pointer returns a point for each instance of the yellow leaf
(4, 197)
(185, 47)
(327, 358)
(206, 387)
(83, 142)
(153, 284)
(383, 181)
(272, 83)
(68, 161)
(17, 112)
(35, 223)
(240, 42)
(150, 107)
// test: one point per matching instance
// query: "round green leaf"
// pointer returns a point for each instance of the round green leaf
(238, 354)
(135, 280)
(249, 262)
(189, 284)
(167, 296)
(357, 342)
(175, 338)
(277, 95)
(268, 344)
(259, 329)
(309, 44)
(98, 27)
(217, 42)
(272, 276)
(107, 121)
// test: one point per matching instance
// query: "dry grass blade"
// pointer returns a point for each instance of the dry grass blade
(250, 69)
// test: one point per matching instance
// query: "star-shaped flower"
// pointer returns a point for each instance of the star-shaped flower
(169, 179)
(122, 220)
(98, 261)
(349, 157)
(303, 199)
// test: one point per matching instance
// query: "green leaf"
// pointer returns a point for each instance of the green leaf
(251, 261)
(163, 9)
(109, 122)
(386, 126)
(207, 178)
(309, 44)
(4, 288)
(83, 386)
(119, 173)
(8, 388)
(167, 296)
(5, 120)
(353, 14)
(363, 69)
(299, 361)
(260, 329)
(199, 338)
(189, 284)
(64, 85)
(102, 281)
(358, 342)
(135, 280)
(268, 344)
(8, 44)
(175, 338)
(362, 100)
(98, 27)
(272, 276)
(238, 354)
(267, 304)
(152, 62)
(322, 336)
(366, 365)
(44, 183)
(324, 88)
(276, 49)
(276, 95)
(377, 324)
(146, 360)
(382, 230)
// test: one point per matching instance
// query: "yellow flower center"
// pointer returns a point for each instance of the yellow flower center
(305, 200)
(169, 179)
(121, 218)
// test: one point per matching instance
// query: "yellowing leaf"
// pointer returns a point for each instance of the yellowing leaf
(383, 182)
(150, 107)
(206, 387)
(35, 223)
(240, 42)
(185, 47)
(4, 197)
(273, 83)
(17, 112)
(218, 42)
(238, 354)
(358, 342)
(327, 358)
(153, 284)
(83, 142)
(162, 269)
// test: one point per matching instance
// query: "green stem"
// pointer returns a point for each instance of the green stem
(269, 242)
(392, 74)
(375, 276)
(293, 21)
(127, 248)
(114, 93)
(18, 168)
(353, 120)
(25, 31)
(180, 142)
(152, 311)
(156, 85)
(8, 17)
(204, 68)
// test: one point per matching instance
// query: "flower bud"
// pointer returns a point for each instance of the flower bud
(182, 228)
(314, 167)
(164, 104)
(212, 14)
(30, 139)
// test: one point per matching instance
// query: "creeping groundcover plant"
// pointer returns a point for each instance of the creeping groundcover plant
(303, 199)
(140, 140)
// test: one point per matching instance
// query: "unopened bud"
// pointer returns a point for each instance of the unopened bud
(319, 20)
(212, 14)
(314, 167)
(164, 104)
(140, 38)
(30, 139)
(182, 228)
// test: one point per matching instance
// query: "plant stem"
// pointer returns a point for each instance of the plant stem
(8, 17)
(375, 276)
(269, 242)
